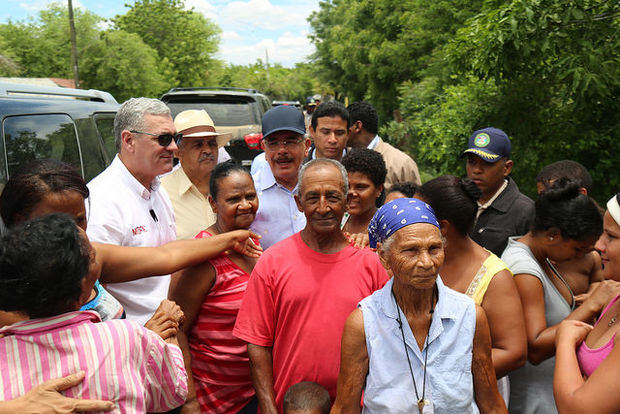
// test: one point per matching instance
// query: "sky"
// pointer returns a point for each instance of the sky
(250, 28)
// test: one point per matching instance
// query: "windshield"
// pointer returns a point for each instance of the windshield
(222, 113)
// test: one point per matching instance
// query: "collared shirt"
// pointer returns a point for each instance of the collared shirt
(482, 207)
(449, 380)
(510, 214)
(258, 163)
(278, 216)
(192, 211)
(123, 212)
(123, 362)
(372, 144)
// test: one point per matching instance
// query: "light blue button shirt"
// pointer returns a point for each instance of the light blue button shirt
(449, 381)
(277, 217)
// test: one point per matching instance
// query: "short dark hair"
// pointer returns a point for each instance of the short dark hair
(407, 188)
(574, 214)
(366, 113)
(453, 199)
(26, 188)
(369, 163)
(569, 169)
(222, 170)
(42, 264)
(307, 396)
(330, 109)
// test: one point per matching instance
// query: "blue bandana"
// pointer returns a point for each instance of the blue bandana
(397, 214)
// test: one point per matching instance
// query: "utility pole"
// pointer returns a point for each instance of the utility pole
(267, 64)
(74, 54)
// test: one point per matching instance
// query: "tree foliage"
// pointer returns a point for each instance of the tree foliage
(545, 71)
(184, 38)
(42, 47)
(367, 48)
(122, 64)
(277, 81)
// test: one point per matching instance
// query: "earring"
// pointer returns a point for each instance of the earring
(551, 238)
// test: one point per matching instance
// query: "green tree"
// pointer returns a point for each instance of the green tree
(122, 64)
(545, 71)
(41, 47)
(367, 48)
(185, 38)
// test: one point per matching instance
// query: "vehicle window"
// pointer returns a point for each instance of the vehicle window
(31, 137)
(91, 147)
(222, 113)
(105, 126)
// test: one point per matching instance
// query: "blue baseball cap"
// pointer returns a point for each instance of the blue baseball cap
(490, 144)
(283, 118)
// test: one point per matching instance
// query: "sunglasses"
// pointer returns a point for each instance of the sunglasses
(164, 139)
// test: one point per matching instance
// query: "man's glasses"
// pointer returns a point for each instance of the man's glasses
(274, 144)
(164, 139)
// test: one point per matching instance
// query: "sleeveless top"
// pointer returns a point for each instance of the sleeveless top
(590, 359)
(449, 380)
(480, 283)
(531, 386)
(220, 363)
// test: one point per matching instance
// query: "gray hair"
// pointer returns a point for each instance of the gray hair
(387, 243)
(130, 115)
(323, 162)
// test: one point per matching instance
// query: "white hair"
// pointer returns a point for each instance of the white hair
(323, 161)
(130, 115)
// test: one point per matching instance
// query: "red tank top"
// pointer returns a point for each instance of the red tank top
(220, 363)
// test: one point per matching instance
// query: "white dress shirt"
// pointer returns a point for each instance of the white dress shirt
(123, 212)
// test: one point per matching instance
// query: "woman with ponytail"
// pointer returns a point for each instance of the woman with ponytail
(470, 269)
(566, 226)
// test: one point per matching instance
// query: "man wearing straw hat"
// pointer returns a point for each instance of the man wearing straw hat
(188, 185)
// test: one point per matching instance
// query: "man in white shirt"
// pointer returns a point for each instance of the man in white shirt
(127, 205)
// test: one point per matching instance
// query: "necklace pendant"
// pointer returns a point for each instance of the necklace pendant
(421, 404)
(613, 320)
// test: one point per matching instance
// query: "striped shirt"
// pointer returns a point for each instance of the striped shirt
(220, 362)
(124, 362)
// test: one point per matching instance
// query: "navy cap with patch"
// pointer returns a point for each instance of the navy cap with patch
(490, 144)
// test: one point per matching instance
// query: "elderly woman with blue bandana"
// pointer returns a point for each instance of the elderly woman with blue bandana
(415, 346)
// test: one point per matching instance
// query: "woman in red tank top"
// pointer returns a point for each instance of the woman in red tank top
(210, 295)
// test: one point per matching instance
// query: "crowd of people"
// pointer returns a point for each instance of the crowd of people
(328, 279)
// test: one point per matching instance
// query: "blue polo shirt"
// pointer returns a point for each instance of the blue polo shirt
(277, 217)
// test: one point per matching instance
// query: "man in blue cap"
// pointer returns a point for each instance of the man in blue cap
(502, 210)
(285, 148)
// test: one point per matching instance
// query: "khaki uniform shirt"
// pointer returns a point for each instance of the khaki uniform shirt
(400, 166)
(192, 210)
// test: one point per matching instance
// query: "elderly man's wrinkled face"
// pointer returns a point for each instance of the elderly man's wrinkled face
(415, 255)
(322, 198)
(198, 155)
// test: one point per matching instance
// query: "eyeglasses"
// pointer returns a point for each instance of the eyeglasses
(286, 143)
(164, 139)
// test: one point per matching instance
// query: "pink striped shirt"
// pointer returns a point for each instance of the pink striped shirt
(124, 362)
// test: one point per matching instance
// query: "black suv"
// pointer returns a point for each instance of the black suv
(233, 110)
(71, 125)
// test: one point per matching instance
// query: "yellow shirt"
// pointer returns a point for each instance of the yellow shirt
(479, 284)
(192, 210)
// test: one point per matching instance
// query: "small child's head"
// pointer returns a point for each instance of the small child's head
(306, 398)
(569, 169)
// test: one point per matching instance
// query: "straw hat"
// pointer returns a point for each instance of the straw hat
(193, 118)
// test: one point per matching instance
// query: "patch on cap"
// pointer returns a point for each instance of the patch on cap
(482, 140)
